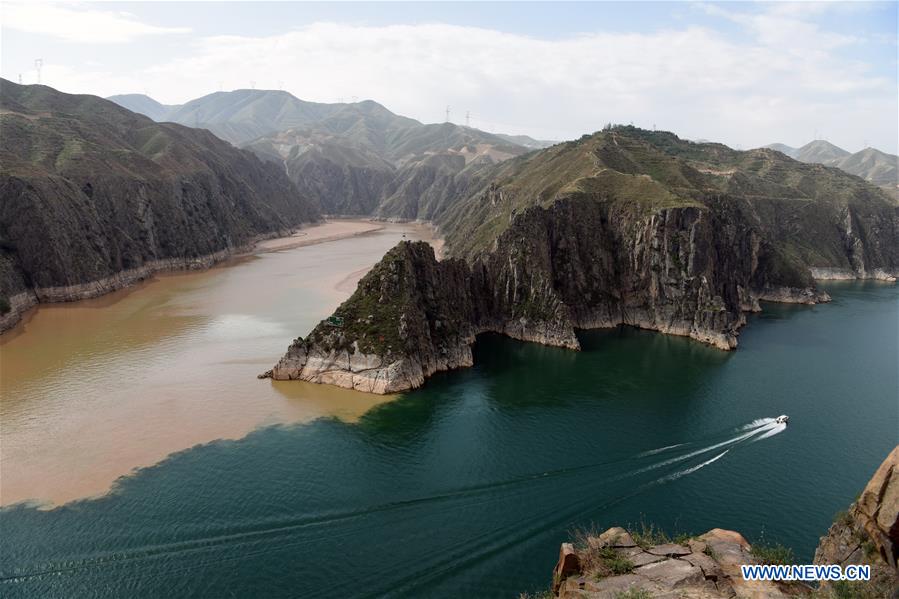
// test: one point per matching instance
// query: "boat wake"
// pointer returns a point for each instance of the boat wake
(583, 489)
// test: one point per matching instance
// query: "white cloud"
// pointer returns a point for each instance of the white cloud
(76, 23)
(782, 82)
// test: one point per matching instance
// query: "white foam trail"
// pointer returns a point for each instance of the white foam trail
(692, 469)
(659, 450)
(770, 433)
(758, 422)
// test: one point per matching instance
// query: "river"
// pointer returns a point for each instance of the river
(463, 488)
(91, 390)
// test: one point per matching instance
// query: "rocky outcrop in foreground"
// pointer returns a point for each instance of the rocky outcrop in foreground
(614, 564)
(705, 567)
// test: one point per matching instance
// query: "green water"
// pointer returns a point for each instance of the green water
(466, 488)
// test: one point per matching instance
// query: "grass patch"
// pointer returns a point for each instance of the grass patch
(843, 589)
(601, 562)
(648, 535)
(545, 594)
(843, 518)
(773, 553)
(611, 563)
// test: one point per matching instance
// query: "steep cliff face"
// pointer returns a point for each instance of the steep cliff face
(617, 228)
(577, 264)
(93, 197)
(411, 316)
(868, 533)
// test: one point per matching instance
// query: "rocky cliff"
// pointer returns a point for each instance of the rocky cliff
(617, 564)
(868, 533)
(623, 227)
(94, 197)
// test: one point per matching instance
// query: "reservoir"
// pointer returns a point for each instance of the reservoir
(142, 458)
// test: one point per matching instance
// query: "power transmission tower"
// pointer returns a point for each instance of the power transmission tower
(20, 78)
(447, 113)
(38, 65)
(355, 98)
(467, 118)
(252, 85)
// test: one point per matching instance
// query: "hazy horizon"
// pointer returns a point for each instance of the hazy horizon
(743, 74)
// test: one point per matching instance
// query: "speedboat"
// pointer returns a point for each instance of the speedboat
(782, 419)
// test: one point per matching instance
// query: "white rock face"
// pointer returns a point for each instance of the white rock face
(825, 273)
(366, 372)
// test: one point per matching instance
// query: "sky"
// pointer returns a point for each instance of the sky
(745, 74)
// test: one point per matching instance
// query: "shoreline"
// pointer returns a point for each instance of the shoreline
(170, 362)
(300, 237)
(25, 301)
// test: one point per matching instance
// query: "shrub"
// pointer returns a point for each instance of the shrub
(843, 518)
(772, 553)
(649, 535)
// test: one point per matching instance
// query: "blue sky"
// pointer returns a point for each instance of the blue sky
(745, 74)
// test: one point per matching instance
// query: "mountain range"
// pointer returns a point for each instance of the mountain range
(351, 159)
(620, 226)
(870, 164)
(94, 197)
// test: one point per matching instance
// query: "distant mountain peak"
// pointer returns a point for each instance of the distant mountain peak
(820, 150)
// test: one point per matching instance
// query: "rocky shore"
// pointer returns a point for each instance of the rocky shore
(618, 564)
(94, 197)
(20, 302)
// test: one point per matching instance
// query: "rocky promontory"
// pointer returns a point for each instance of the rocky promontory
(625, 227)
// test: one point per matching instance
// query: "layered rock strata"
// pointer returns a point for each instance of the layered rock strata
(578, 264)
